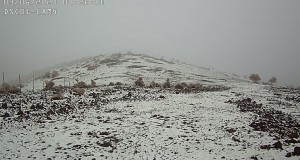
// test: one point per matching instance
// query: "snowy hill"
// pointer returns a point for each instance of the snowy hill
(126, 68)
(239, 120)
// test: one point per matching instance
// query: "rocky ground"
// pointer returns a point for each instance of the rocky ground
(247, 121)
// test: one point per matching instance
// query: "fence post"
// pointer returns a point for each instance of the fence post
(3, 81)
(33, 83)
(20, 83)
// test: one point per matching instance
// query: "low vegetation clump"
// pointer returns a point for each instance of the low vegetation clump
(6, 88)
(181, 86)
(196, 86)
(153, 85)
(140, 82)
(49, 85)
(91, 67)
(78, 91)
(111, 84)
(167, 84)
(47, 75)
(254, 77)
(80, 84)
(119, 84)
(93, 83)
(54, 74)
(57, 96)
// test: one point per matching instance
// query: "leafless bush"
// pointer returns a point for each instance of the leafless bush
(13, 89)
(49, 85)
(196, 86)
(78, 91)
(90, 67)
(181, 86)
(47, 75)
(5, 87)
(111, 84)
(119, 84)
(54, 74)
(80, 85)
(57, 96)
(254, 77)
(152, 84)
(140, 82)
(167, 84)
(93, 83)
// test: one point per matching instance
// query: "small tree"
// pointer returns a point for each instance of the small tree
(254, 77)
(273, 80)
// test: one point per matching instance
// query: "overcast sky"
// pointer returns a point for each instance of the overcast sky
(236, 36)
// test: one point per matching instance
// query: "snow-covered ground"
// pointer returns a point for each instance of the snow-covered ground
(108, 123)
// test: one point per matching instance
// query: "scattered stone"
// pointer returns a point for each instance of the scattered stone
(162, 97)
(104, 144)
(296, 151)
(231, 130)
(278, 145)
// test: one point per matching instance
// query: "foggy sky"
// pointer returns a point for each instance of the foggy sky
(235, 36)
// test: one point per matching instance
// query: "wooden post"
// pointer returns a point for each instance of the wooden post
(20, 83)
(3, 81)
(43, 84)
(32, 83)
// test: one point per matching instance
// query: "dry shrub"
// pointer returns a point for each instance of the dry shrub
(111, 84)
(93, 83)
(78, 91)
(57, 96)
(152, 84)
(167, 84)
(140, 82)
(5, 87)
(13, 89)
(49, 85)
(90, 67)
(59, 88)
(196, 86)
(80, 85)
(119, 84)
(47, 75)
(54, 74)
(181, 86)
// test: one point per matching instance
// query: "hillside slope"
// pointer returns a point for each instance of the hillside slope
(126, 68)
(242, 120)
